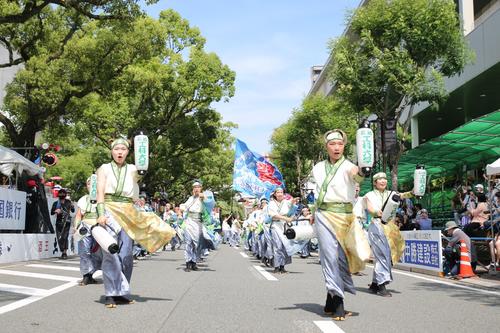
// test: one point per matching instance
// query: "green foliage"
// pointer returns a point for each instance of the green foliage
(396, 55)
(298, 144)
(116, 77)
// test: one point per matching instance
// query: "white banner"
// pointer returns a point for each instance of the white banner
(12, 209)
(423, 249)
(24, 247)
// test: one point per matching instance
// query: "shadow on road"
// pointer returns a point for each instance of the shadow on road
(138, 299)
(313, 308)
(467, 295)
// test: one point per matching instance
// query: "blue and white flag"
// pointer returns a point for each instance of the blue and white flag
(253, 175)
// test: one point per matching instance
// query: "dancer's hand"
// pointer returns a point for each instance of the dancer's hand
(102, 220)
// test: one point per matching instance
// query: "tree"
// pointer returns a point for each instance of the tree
(298, 144)
(396, 55)
(17, 12)
(150, 75)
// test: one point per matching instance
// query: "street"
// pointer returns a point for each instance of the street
(233, 292)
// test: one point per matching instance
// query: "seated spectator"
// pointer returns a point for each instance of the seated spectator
(452, 250)
(479, 216)
(423, 220)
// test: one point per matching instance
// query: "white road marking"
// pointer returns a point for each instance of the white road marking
(264, 273)
(62, 268)
(328, 326)
(11, 288)
(67, 262)
(31, 299)
(490, 292)
(244, 255)
(39, 275)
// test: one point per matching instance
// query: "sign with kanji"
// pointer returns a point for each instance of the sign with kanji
(12, 209)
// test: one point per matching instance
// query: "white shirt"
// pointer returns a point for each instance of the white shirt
(83, 203)
(130, 188)
(342, 188)
(279, 208)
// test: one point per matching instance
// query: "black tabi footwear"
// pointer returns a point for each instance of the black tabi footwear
(373, 288)
(188, 266)
(123, 300)
(87, 279)
(276, 270)
(283, 270)
(338, 308)
(328, 309)
(194, 267)
(382, 291)
(109, 302)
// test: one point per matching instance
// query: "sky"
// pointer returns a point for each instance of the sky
(271, 45)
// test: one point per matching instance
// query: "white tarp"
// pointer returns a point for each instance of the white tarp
(493, 168)
(10, 161)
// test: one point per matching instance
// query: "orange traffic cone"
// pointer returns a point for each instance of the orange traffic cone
(465, 267)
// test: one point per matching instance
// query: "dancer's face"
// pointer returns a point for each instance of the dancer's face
(381, 184)
(119, 153)
(196, 190)
(279, 195)
(335, 149)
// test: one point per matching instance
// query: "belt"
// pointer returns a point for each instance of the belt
(337, 207)
(117, 198)
(90, 215)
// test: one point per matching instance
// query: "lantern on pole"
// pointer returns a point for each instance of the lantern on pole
(141, 153)
(364, 147)
(93, 189)
(419, 180)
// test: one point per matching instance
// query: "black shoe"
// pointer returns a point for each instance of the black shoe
(194, 267)
(265, 261)
(87, 279)
(188, 266)
(109, 302)
(338, 308)
(64, 256)
(123, 300)
(283, 270)
(328, 309)
(382, 291)
(373, 288)
(276, 270)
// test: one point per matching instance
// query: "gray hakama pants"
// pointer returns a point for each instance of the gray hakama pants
(281, 257)
(268, 240)
(262, 244)
(192, 237)
(334, 263)
(382, 253)
(117, 268)
(89, 262)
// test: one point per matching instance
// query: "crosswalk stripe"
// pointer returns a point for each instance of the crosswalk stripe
(31, 299)
(39, 275)
(244, 255)
(11, 288)
(62, 268)
(328, 326)
(73, 262)
(265, 273)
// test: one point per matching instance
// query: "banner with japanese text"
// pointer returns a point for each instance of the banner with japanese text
(423, 249)
(12, 209)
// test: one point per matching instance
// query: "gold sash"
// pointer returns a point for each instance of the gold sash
(146, 228)
(340, 225)
(395, 240)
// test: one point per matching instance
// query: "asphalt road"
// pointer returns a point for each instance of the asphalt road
(232, 292)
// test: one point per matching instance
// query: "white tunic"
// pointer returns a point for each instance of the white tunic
(194, 207)
(130, 188)
(279, 208)
(85, 205)
(342, 188)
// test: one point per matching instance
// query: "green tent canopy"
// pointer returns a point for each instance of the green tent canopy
(474, 144)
